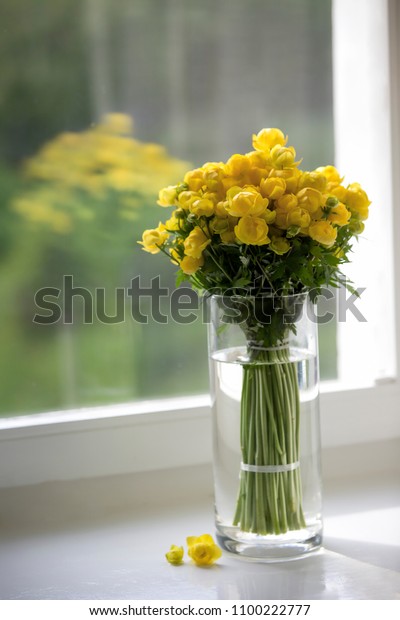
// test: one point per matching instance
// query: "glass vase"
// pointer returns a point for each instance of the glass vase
(266, 435)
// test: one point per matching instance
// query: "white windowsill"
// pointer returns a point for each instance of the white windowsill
(58, 550)
(157, 435)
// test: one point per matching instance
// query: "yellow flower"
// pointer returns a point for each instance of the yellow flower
(195, 179)
(339, 192)
(212, 176)
(219, 224)
(255, 175)
(273, 187)
(245, 201)
(287, 202)
(202, 206)
(173, 222)
(291, 176)
(175, 555)
(339, 215)
(117, 123)
(120, 179)
(284, 205)
(314, 179)
(203, 550)
(268, 138)
(196, 242)
(39, 211)
(268, 216)
(357, 200)
(257, 159)
(94, 161)
(331, 174)
(228, 182)
(283, 157)
(175, 256)
(237, 165)
(167, 196)
(190, 265)
(279, 245)
(220, 208)
(298, 217)
(310, 199)
(224, 227)
(187, 198)
(228, 236)
(252, 230)
(323, 232)
(153, 239)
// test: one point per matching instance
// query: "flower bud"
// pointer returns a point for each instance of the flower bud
(175, 555)
(268, 138)
(167, 196)
(279, 245)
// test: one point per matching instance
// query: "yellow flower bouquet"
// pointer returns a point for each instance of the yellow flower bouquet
(261, 236)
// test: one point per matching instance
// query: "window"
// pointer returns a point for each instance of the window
(197, 79)
(365, 143)
(119, 439)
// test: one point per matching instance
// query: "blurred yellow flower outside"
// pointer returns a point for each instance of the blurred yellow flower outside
(75, 172)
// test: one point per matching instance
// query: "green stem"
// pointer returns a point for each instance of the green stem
(270, 503)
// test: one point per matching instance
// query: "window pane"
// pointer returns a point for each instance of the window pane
(76, 190)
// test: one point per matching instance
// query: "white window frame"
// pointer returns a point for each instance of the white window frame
(152, 435)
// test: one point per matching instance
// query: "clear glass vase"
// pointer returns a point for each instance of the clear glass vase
(266, 435)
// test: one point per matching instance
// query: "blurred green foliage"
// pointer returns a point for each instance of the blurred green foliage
(43, 81)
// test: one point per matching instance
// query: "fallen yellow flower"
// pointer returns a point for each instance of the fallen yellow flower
(175, 555)
(203, 550)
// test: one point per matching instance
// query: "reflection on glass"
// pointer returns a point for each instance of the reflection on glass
(78, 183)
